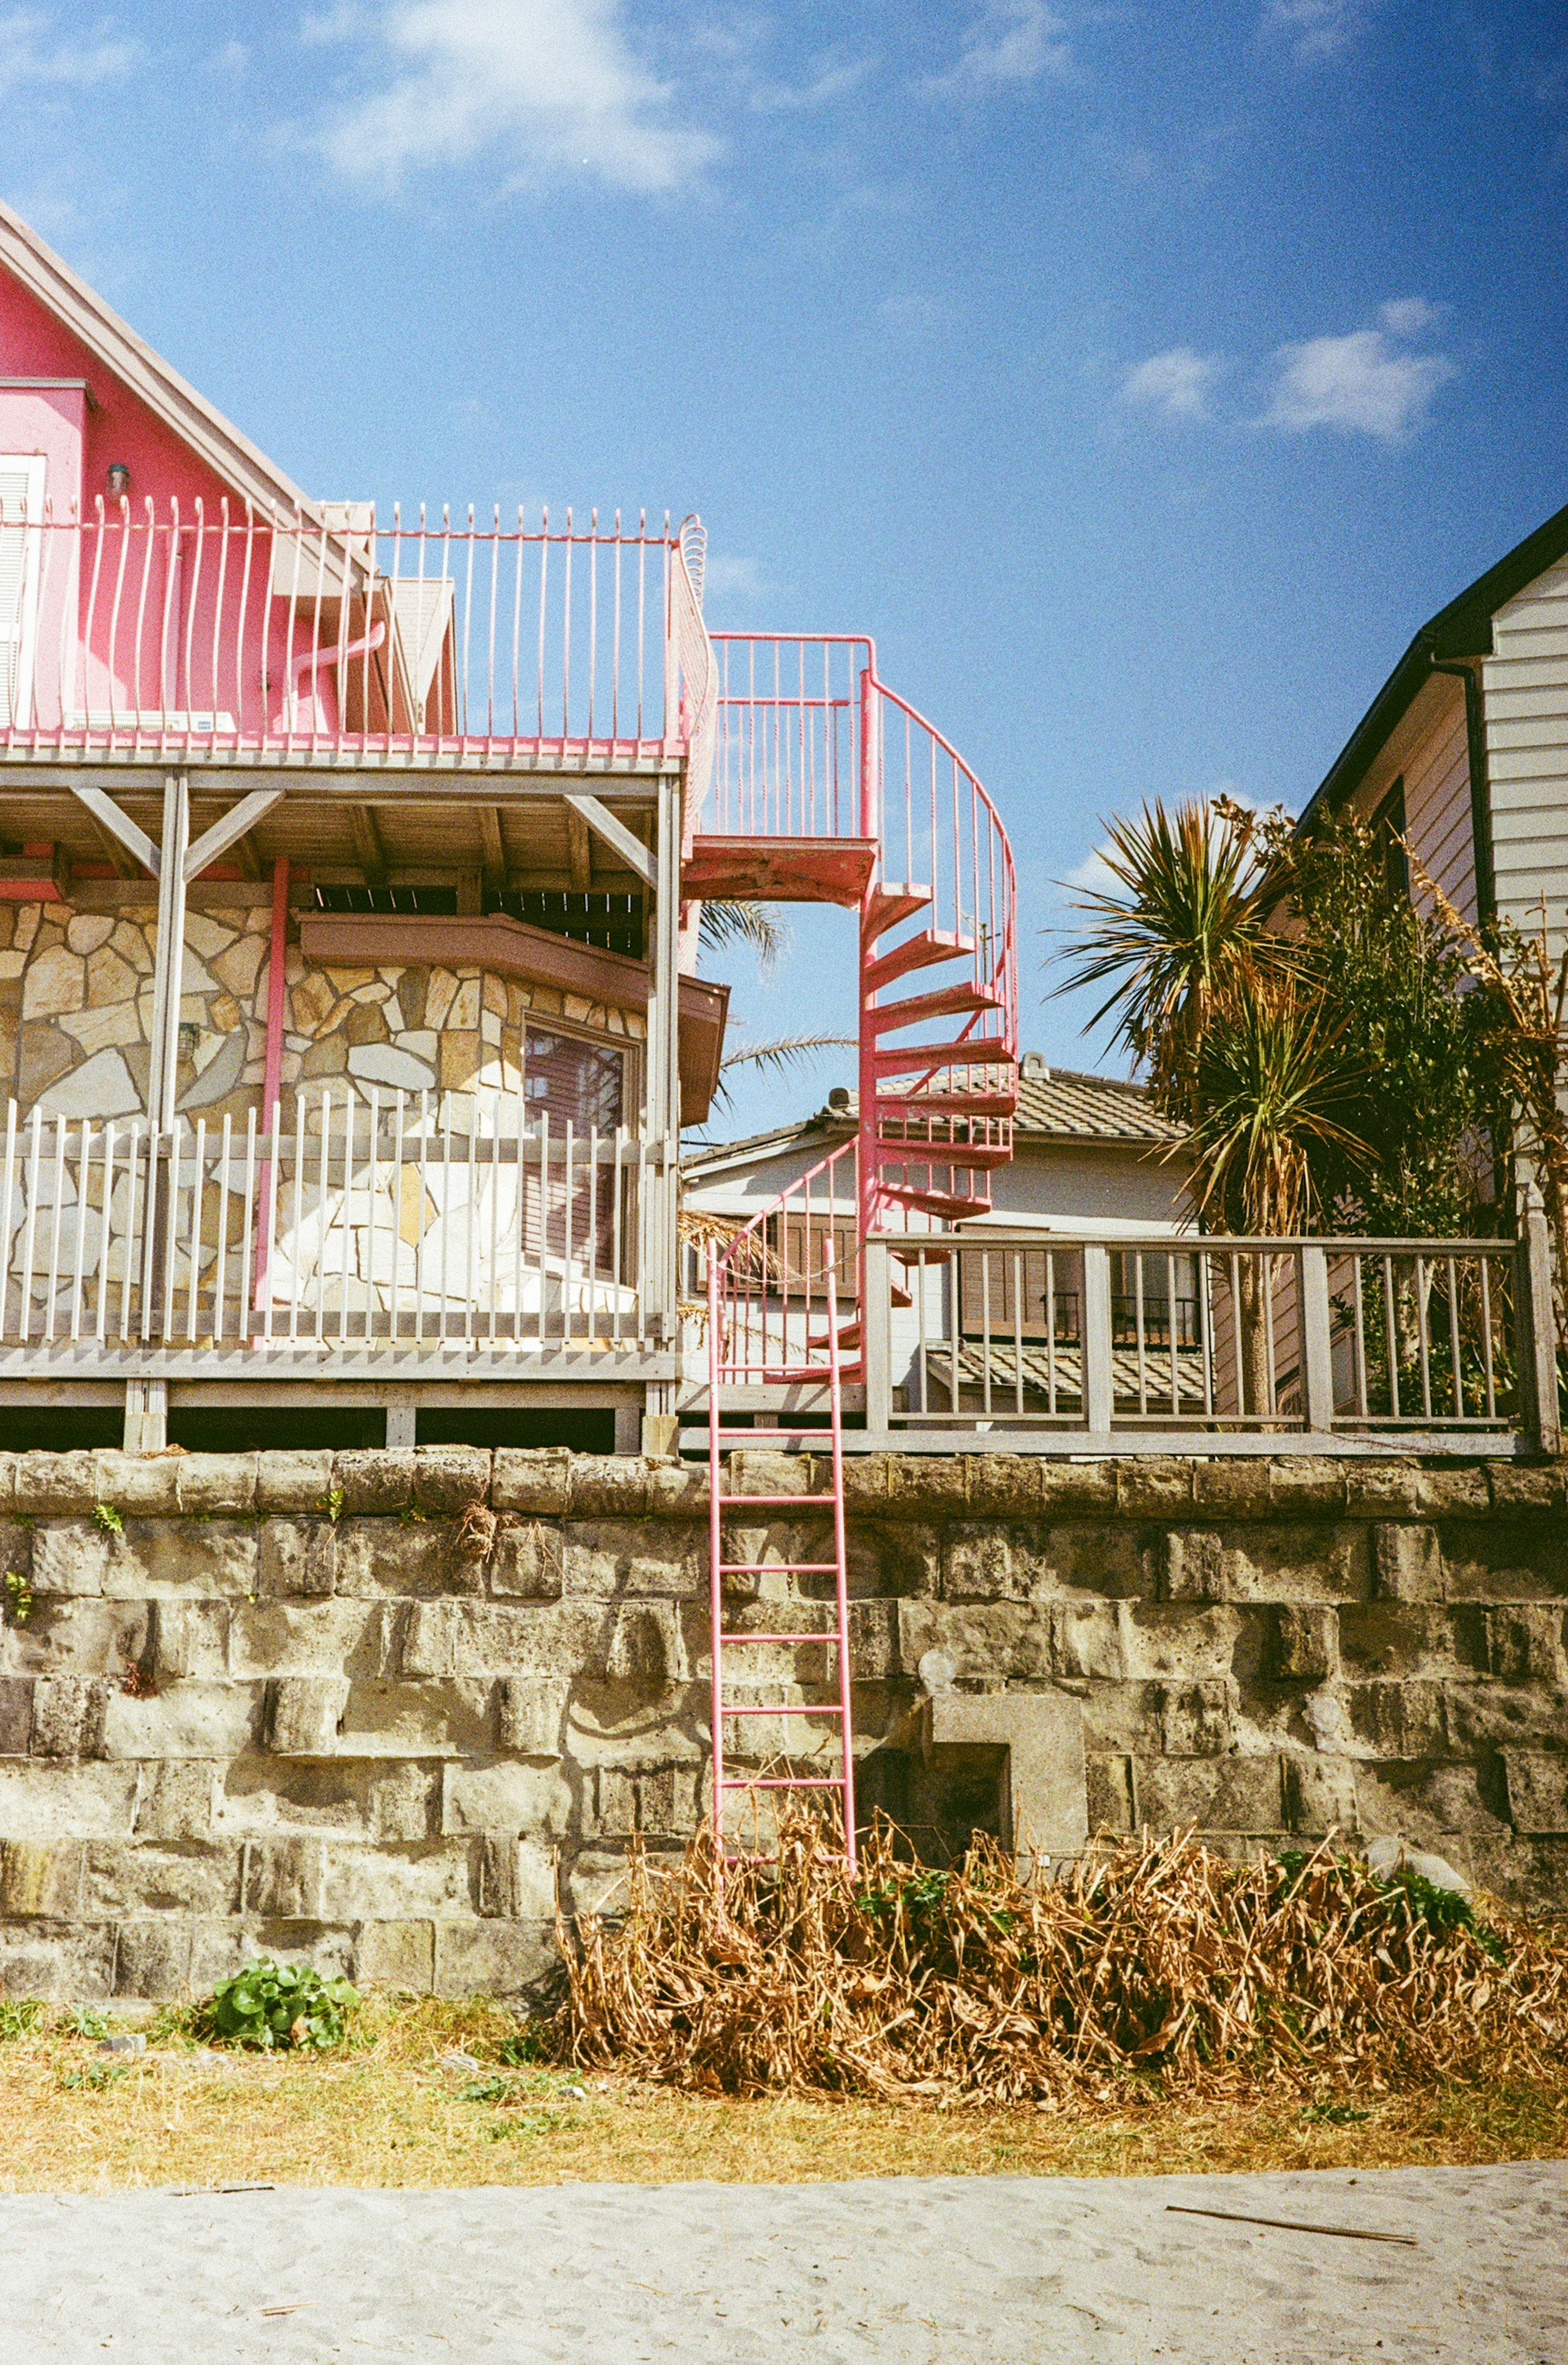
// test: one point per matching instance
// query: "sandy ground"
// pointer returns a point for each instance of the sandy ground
(947, 2270)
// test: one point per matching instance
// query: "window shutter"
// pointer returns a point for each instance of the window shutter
(21, 506)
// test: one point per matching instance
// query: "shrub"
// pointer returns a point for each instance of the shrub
(275, 2007)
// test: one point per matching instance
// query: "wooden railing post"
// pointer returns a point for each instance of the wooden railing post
(1537, 1326)
(876, 1333)
(1317, 1344)
(1097, 1342)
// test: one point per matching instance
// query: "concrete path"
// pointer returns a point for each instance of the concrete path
(950, 2271)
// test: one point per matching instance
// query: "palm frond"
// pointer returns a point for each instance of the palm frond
(726, 921)
(1272, 1090)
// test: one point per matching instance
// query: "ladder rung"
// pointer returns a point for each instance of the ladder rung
(819, 1636)
(786, 1707)
(727, 1501)
(788, 1782)
(778, 1567)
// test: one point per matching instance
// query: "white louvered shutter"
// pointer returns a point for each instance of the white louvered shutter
(21, 507)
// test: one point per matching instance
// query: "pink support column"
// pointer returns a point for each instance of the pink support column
(271, 1083)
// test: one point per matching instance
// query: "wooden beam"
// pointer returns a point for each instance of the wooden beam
(579, 851)
(495, 851)
(248, 858)
(369, 852)
(117, 825)
(217, 840)
(113, 851)
(614, 832)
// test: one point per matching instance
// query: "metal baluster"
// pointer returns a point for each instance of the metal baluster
(1489, 1379)
(197, 1180)
(60, 1128)
(83, 1178)
(1393, 1337)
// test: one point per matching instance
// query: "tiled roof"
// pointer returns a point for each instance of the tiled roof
(1064, 1106)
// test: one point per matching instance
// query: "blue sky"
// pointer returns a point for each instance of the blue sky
(1139, 376)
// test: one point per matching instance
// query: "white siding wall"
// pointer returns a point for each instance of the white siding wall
(1527, 745)
(1429, 749)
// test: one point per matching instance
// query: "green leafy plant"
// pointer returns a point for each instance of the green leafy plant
(494, 2088)
(19, 2018)
(84, 2022)
(277, 2007)
(18, 1599)
(94, 2079)
(528, 2046)
(106, 1517)
(332, 1502)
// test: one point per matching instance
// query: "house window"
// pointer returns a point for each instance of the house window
(1162, 1307)
(22, 533)
(574, 1090)
(1387, 830)
(1005, 1291)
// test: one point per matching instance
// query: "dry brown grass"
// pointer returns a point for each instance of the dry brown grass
(384, 2115)
(1150, 1959)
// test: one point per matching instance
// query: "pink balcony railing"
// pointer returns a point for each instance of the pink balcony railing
(138, 631)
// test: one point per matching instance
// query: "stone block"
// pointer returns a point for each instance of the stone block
(1432, 1804)
(984, 1642)
(1155, 1487)
(609, 1486)
(55, 1486)
(57, 1961)
(1501, 1715)
(1411, 1638)
(1307, 1482)
(1043, 1794)
(1089, 1639)
(7, 1482)
(1398, 1720)
(677, 1490)
(890, 1558)
(184, 1638)
(355, 1798)
(873, 1643)
(215, 1558)
(1029, 1561)
(1531, 1875)
(40, 1883)
(1214, 1794)
(433, 1877)
(1381, 1490)
(1538, 1790)
(605, 1560)
(1193, 1566)
(1522, 1487)
(1082, 1487)
(504, 1794)
(536, 1483)
(399, 1956)
(447, 1478)
(70, 1557)
(145, 1485)
(516, 1880)
(304, 1713)
(290, 1485)
(1319, 1794)
(1302, 1644)
(1234, 1490)
(1525, 1642)
(463, 1638)
(1460, 1494)
(527, 1562)
(1406, 1563)
(1506, 1560)
(219, 1947)
(1109, 1785)
(16, 1716)
(189, 1719)
(153, 1958)
(645, 1647)
(80, 1634)
(220, 1485)
(122, 1877)
(16, 1548)
(297, 1557)
(286, 1878)
(921, 1486)
(1174, 1639)
(285, 1637)
(40, 1800)
(533, 1714)
(1196, 1720)
(1303, 1560)
(378, 1481)
(382, 1559)
(510, 1959)
(70, 1714)
(174, 1801)
(1004, 1485)
(418, 1719)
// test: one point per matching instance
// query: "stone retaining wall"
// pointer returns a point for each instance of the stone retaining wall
(288, 1704)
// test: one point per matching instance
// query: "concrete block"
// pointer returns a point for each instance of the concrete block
(1320, 1795)
(54, 1486)
(57, 1961)
(398, 1954)
(153, 1958)
(1381, 1490)
(69, 1717)
(447, 1478)
(174, 1801)
(357, 1799)
(145, 1485)
(1525, 1642)
(304, 1713)
(1196, 1720)
(533, 1714)
(123, 1877)
(217, 1484)
(377, 1480)
(1215, 1794)
(1303, 1643)
(509, 1959)
(536, 1483)
(297, 1557)
(607, 1559)
(289, 1485)
(16, 1716)
(1538, 1790)
(1044, 1796)
(503, 1794)
(527, 1562)
(1155, 1487)
(609, 1486)
(40, 1883)
(188, 1720)
(1406, 1563)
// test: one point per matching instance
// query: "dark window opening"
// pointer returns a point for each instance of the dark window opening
(60, 1428)
(1387, 829)
(587, 1431)
(276, 1428)
(613, 922)
(440, 903)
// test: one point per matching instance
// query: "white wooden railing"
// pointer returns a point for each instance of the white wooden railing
(391, 1224)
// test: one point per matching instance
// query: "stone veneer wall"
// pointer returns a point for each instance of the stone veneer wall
(76, 1010)
(280, 1710)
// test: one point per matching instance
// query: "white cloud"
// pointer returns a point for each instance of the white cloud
(1177, 382)
(1361, 384)
(1010, 42)
(732, 578)
(827, 84)
(27, 55)
(1314, 31)
(549, 84)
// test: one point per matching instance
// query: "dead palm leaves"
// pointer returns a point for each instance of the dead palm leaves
(1147, 1957)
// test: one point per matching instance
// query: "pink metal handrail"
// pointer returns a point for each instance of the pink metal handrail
(147, 632)
(770, 1276)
